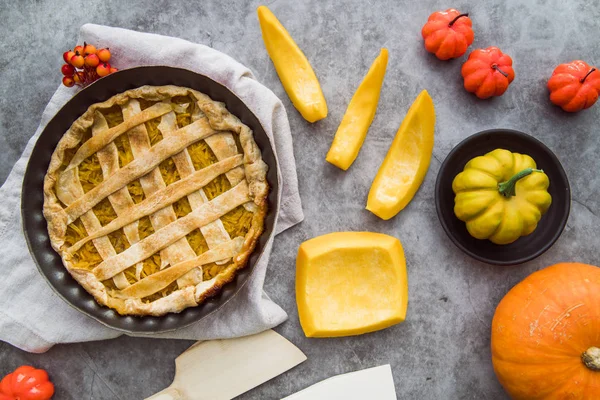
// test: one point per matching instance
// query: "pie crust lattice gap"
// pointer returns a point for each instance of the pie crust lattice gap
(155, 198)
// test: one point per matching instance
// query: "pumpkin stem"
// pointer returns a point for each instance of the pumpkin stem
(457, 17)
(497, 68)
(586, 75)
(507, 189)
(591, 358)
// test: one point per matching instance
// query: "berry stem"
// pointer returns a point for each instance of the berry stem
(457, 17)
(586, 75)
(497, 68)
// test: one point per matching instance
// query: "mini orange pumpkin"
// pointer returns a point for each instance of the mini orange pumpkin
(448, 33)
(574, 86)
(546, 335)
(487, 72)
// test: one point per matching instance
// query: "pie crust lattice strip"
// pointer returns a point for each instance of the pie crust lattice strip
(155, 198)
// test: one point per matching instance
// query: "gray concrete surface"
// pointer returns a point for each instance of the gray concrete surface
(442, 350)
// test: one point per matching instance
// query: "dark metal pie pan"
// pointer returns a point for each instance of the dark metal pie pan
(34, 223)
(550, 226)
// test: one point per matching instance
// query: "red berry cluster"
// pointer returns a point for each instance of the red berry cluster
(85, 64)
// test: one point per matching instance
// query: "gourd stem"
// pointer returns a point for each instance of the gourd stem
(591, 358)
(457, 17)
(497, 68)
(507, 189)
(586, 75)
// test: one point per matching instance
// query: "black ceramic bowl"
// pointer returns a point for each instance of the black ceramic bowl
(34, 224)
(550, 226)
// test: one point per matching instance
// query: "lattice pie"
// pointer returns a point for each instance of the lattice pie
(155, 198)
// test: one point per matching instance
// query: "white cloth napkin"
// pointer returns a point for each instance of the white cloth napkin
(33, 317)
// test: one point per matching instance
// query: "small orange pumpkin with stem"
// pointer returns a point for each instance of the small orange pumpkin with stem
(447, 34)
(574, 86)
(487, 72)
(546, 335)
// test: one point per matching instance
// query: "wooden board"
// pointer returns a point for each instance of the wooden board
(224, 369)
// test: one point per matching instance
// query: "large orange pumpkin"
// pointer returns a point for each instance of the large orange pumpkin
(546, 335)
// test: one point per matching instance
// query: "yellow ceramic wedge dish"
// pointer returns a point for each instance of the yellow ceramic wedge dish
(501, 196)
(350, 283)
(359, 115)
(406, 162)
(295, 72)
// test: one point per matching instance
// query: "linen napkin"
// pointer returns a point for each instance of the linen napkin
(33, 317)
